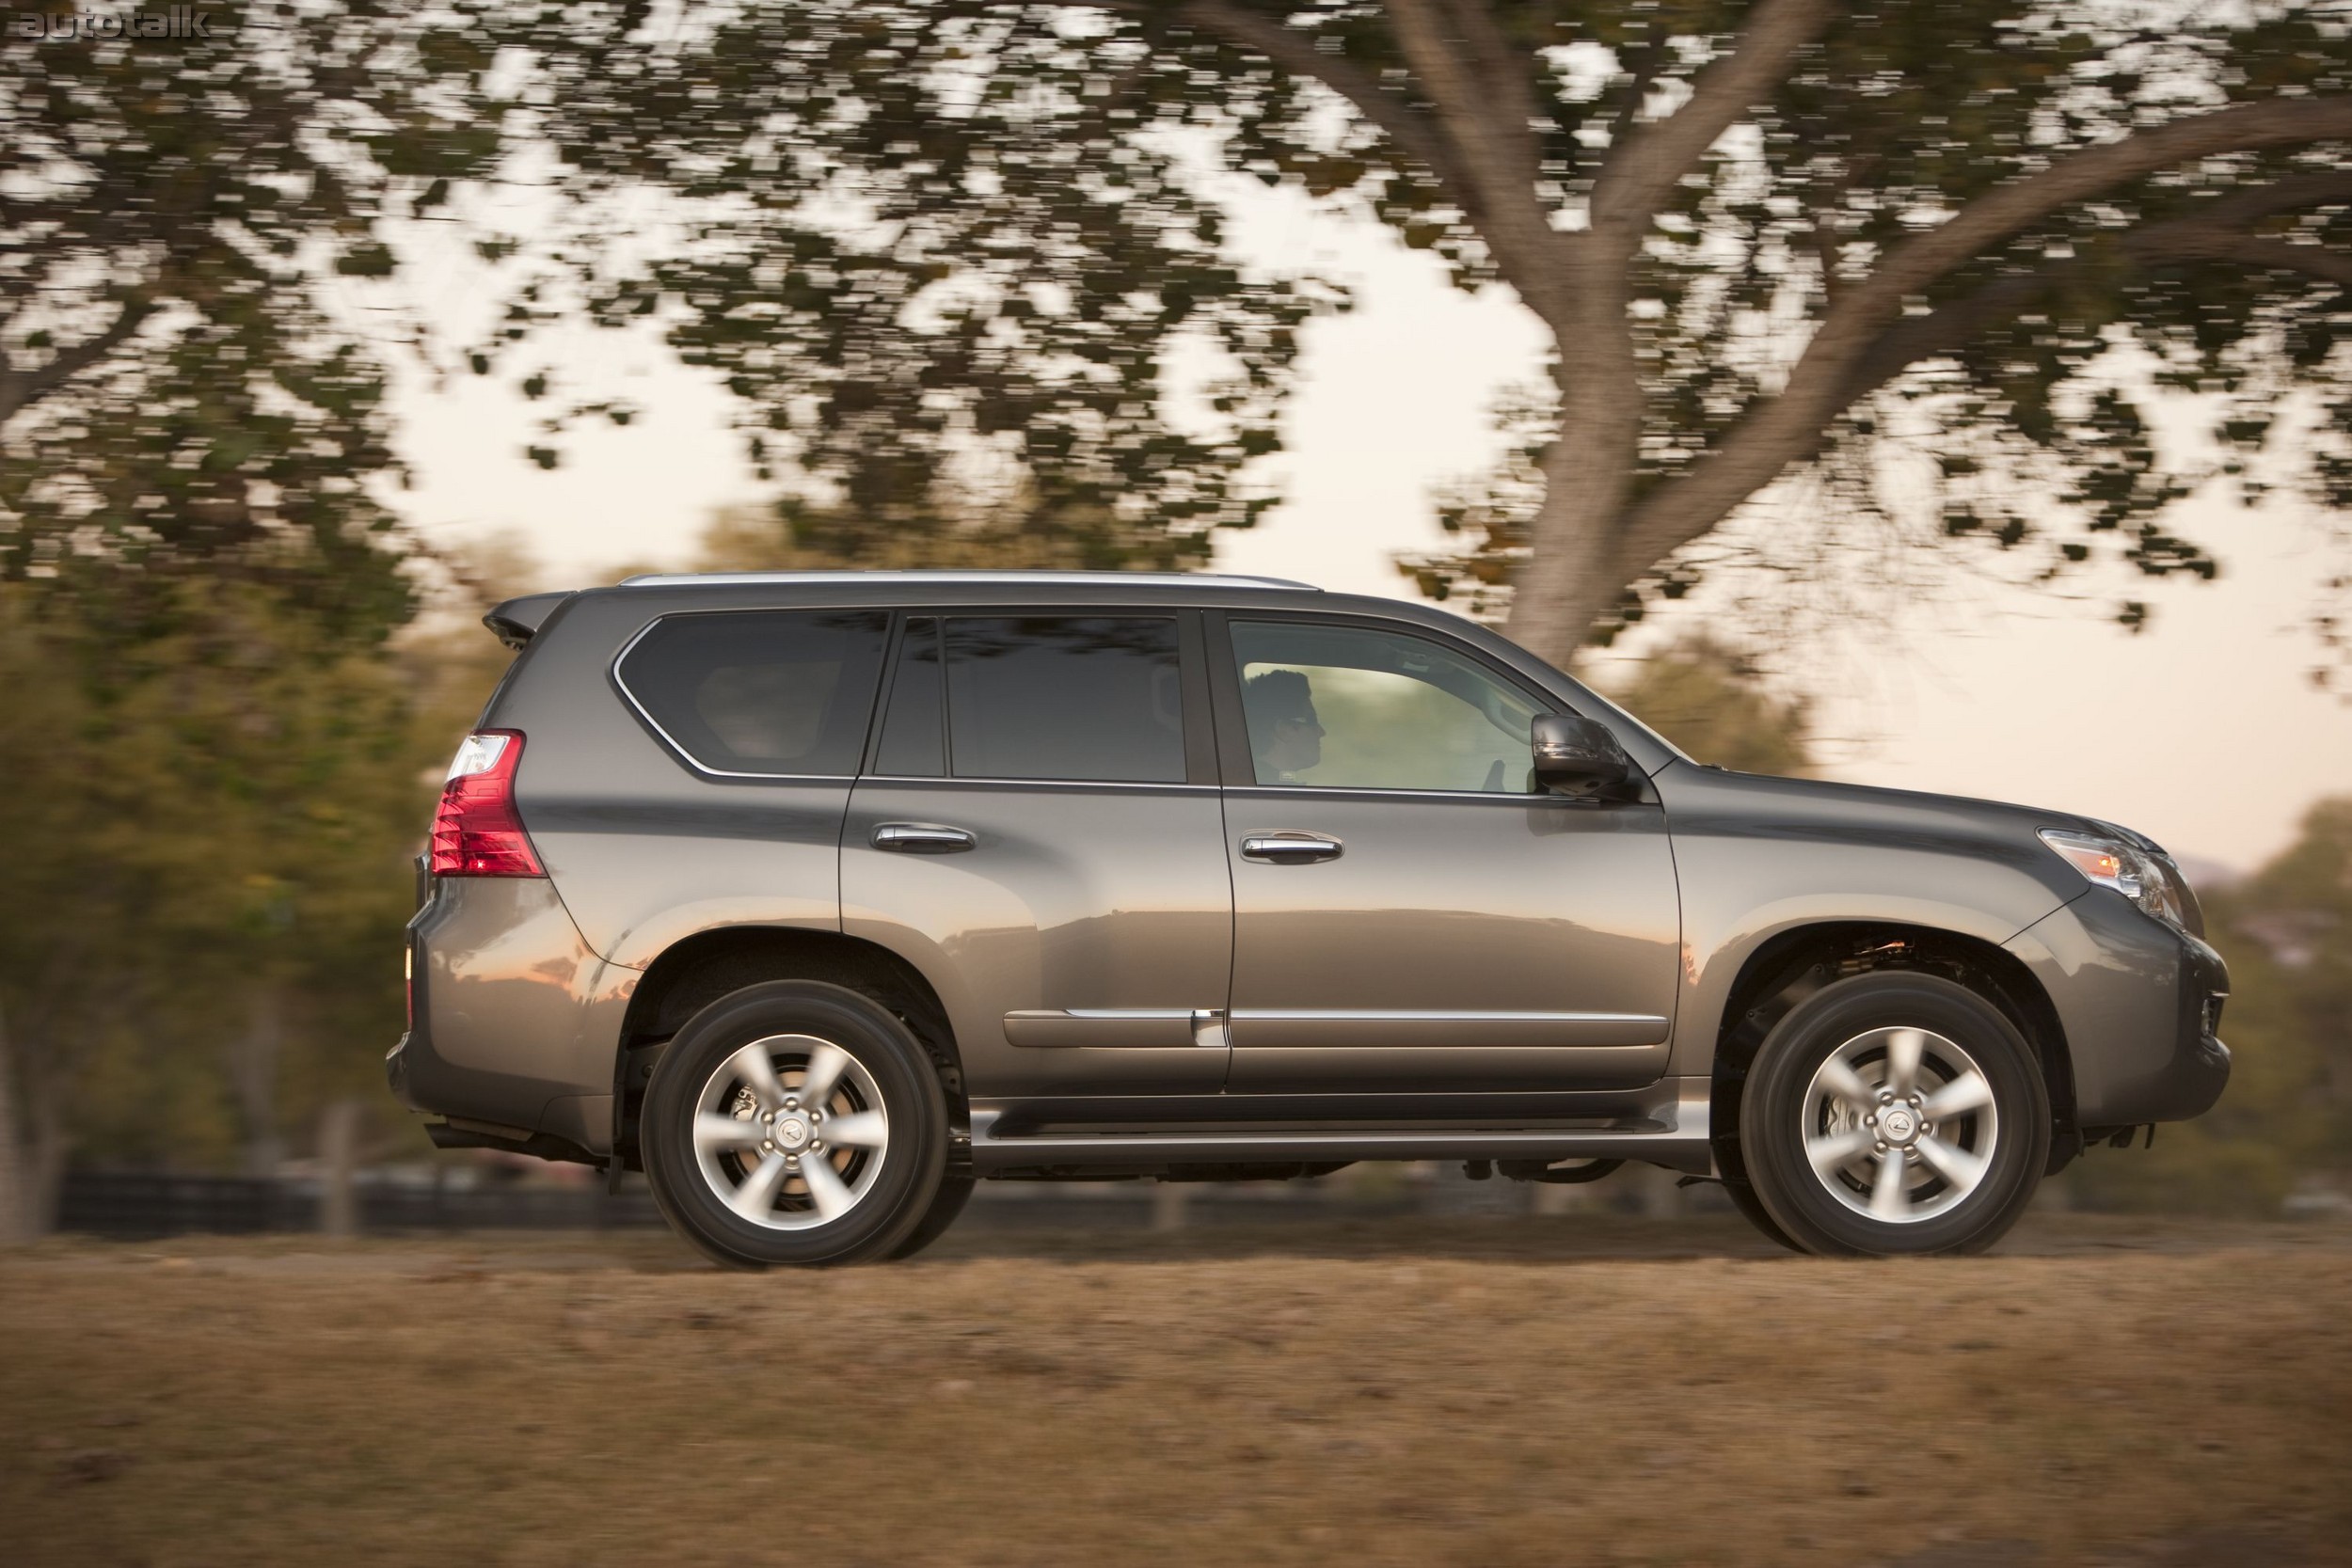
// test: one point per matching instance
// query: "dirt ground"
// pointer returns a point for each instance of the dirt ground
(1558, 1391)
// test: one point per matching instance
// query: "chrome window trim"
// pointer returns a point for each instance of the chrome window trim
(949, 576)
(1311, 790)
(1042, 784)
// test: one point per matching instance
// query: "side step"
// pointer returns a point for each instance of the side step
(1681, 1143)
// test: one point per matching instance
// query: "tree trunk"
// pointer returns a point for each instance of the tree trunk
(1574, 575)
(16, 1170)
(1577, 568)
(339, 1163)
(1169, 1200)
(254, 1059)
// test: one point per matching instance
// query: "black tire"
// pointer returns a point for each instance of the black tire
(1967, 1179)
(1751, 1206)
(885, 1200)
(954, 1193)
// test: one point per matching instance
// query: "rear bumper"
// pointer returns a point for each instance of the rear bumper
(517, 1024)
(2140, 1004)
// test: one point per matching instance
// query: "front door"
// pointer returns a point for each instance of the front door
(1039, 832)
(1411, 914)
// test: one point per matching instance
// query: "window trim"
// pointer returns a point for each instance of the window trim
(677, 748)
(1233, 724)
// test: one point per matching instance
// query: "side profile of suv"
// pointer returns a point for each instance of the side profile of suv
(820, 897)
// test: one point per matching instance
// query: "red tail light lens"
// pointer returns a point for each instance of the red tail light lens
(477, 832)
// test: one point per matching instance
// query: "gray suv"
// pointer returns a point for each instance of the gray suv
(819, 896)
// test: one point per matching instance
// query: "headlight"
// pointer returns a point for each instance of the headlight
(2125, 867)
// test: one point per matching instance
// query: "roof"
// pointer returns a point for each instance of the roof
(1127, 579)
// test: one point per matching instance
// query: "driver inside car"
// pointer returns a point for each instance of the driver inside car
(1283, 731)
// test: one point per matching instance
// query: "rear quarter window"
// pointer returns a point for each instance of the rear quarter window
(760, 692)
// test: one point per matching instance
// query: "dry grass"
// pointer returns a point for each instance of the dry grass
(1489, 1393)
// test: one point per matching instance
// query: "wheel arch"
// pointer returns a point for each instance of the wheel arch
(1791, 965)
(696, 971)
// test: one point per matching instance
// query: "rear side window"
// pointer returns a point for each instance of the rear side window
(775, 692)
(1076, 697)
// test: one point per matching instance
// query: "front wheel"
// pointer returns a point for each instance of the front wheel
(1895, 1113)
(794, 1122)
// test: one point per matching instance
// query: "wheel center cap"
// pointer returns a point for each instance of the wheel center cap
(792, 1133)
(1899, 1123)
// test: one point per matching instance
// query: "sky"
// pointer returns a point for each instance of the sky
(2203, 731)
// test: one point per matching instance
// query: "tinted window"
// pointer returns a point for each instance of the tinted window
(914, 735)
(1065, 697)
(1338, 707)
(762, 691)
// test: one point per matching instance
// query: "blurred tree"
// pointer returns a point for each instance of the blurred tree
(175, 387)
(200, 912)
(1879, 252)
(2287, 1116)
(1710, 701)
(793, 536)
(947, 255)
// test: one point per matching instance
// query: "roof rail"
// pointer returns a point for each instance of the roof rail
(1148, 580)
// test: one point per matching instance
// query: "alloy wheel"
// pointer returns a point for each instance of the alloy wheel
(1898, 1124)
(790, 1132)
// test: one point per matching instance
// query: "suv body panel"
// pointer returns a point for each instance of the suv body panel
(517, 1022)
(1108, 900)
(2139, 1005)
(1760, 857)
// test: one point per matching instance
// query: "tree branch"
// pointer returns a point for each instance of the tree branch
(1789, 428)
(1643, 69)
(20, 388)
(1496, 148)
(1640, 173)
(1295, 53)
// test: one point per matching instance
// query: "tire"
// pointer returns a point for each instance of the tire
(1751, 1206)
(754, 1177)
(954, 1193)
(1894, 1113)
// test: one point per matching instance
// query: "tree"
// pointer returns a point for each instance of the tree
(178, 388)
(201, 905)
(959, 283)
(1785, 242)
(1707, 700)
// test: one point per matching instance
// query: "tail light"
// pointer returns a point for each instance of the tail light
(476, 830)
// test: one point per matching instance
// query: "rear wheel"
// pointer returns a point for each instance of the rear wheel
(1895, 1113)
(794, 1122)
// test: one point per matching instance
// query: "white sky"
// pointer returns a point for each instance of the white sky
(2201, 731)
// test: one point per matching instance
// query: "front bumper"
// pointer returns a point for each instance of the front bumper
(2140, 1005)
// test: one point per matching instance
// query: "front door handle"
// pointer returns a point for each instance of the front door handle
(1290, 848)
(922, 838)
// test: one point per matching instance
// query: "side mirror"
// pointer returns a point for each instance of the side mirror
(1575, 755)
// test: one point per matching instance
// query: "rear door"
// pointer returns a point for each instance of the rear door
(1038, 831)
(1411, 914)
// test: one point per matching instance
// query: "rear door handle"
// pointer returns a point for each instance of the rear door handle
(1290, 848)
(922, 838)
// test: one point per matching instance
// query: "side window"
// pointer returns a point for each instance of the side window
(1335, 707)
(1072, 697)
(775, 691)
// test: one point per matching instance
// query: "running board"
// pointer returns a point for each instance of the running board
(1681, 1143)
